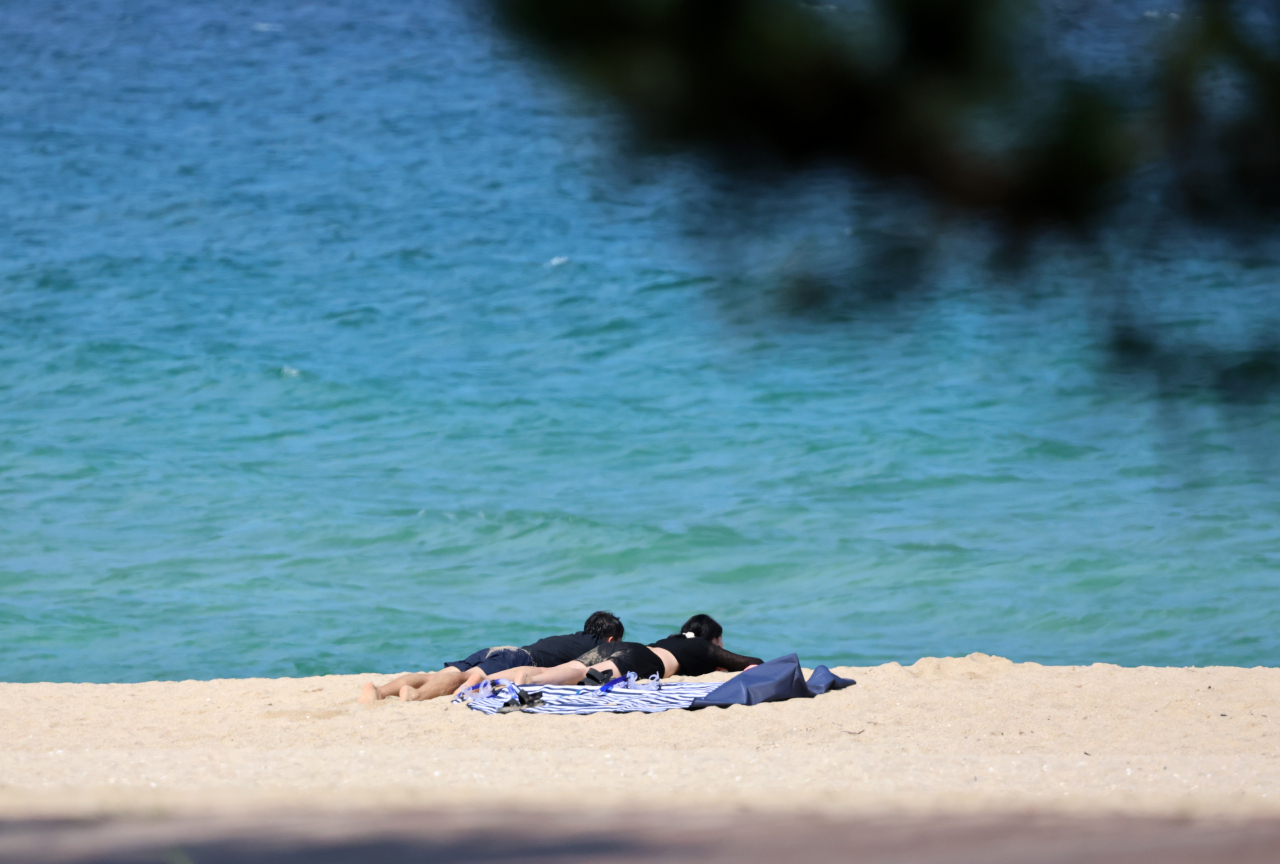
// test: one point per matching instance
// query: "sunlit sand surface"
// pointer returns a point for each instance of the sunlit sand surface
(973, 734)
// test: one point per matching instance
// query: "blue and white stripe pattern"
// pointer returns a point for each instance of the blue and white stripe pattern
(618, 696)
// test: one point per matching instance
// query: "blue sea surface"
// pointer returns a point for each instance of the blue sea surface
(334, 338)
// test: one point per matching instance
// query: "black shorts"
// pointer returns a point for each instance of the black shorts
(492, 660)
(627, 656)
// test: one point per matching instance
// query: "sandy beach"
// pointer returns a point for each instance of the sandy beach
(977, 734)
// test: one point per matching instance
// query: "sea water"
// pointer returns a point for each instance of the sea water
(334, 337)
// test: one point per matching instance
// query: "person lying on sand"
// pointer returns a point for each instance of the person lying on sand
(696, 650)
(600, 628)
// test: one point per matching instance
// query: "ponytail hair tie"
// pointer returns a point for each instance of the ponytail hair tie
(688, 634)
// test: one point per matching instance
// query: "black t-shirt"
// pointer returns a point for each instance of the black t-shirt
(699, 656)
(554, 650)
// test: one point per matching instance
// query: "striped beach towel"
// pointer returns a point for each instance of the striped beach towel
(618, 696)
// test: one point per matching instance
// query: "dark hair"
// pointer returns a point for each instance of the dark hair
(701, 625)
(604, 625)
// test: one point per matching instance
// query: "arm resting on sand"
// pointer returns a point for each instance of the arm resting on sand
(731, 662)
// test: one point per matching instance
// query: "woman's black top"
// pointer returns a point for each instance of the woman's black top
(698, 656)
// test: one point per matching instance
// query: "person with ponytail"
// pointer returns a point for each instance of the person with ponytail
(699, 648)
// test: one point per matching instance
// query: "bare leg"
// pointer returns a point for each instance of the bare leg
(470, 678)
(572, 672)
(516, 674)
(422, 685)
(440, 683)
(372, 692)
(566, 673)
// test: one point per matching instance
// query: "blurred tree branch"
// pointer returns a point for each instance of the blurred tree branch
(971, 107)
(928, 91)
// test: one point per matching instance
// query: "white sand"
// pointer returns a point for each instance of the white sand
(961, 734)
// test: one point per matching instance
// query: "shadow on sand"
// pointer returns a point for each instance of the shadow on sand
(743, 838)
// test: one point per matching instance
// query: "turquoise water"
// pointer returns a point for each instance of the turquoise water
(331, 340)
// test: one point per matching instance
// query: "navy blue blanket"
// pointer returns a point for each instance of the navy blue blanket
(775, 681)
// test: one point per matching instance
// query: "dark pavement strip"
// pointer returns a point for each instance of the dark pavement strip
(615, 837)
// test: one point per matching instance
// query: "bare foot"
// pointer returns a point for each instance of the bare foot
(408, 694)
(467, 684)
(368, 694)
(472, 678)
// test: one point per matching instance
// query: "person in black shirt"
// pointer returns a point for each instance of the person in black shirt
(601, 627)
(696, 650)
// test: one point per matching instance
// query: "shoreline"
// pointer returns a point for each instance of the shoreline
(973, 735)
